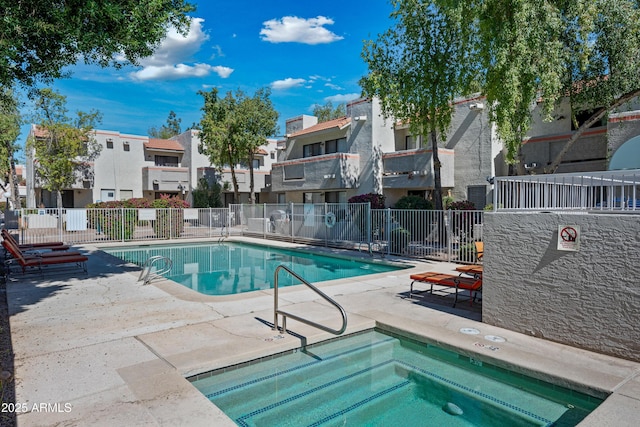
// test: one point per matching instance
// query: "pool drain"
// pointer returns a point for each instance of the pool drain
(452, 408)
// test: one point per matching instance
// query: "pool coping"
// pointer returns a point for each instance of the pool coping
(67, 329)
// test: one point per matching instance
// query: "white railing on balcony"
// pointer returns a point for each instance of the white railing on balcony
(588, 191)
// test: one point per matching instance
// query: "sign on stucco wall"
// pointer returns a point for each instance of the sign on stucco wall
(568, 237)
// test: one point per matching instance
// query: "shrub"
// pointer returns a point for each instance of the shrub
(376, 200)
(463, 221)
(413, 202)
(169, 221)
(462, 205)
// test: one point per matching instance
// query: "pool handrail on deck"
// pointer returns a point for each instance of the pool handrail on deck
(285, 314)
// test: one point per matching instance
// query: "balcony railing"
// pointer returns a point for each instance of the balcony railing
(593, 191)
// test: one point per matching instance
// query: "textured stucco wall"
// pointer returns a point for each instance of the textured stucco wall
(588, 299)
(470, 137)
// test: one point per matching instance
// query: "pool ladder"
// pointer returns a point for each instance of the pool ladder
(284, 314)
(148, 274)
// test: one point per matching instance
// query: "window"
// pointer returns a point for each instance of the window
(126, 194)
(335, 197)
(125, 146)
(273, 155)
(411, 142)
(311, 150)
(171, 161)
(109, 143)
(334, 145)
(256, 163)
(313, 198)
(477, 194)
(583, 116)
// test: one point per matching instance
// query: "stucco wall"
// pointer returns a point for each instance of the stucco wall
(470, 137)
(588, 299)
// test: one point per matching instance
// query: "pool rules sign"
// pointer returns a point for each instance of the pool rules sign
(568, 238)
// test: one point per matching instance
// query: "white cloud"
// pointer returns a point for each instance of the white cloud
(223, 72)
(287, 83)
(176, 48)
(332, 86)
(173, 72)
(340, 99)
(299, 30)
(171, 59)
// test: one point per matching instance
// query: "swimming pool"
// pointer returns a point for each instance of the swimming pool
(231, 268)
(377, 378)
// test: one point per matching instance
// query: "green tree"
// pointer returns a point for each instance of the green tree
(40, 38)
(418, 66)
(327, 112)
(10, 121)
(63, 147)
(234, 127)
(553, 51)
(168, 130)
(207, 195)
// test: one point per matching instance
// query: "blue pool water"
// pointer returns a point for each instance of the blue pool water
(376, 379)
(232, 268)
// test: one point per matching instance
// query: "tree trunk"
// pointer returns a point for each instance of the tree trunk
(437, 189)
(252, 194)
(437, 179)
(15, 189)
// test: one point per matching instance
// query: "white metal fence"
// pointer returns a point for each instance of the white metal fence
(594, 191)
(442, 235)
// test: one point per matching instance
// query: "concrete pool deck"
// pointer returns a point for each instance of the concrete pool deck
(104, 349)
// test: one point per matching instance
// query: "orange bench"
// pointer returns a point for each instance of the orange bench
(472, 284)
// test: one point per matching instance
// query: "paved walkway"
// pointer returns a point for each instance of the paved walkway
(104, 350)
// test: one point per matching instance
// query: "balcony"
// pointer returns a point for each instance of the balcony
(414, 169)
(328, 171)
(158, 178)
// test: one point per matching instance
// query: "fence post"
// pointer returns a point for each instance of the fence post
(368, 229)
(60, 225)
(264, 221)
(326, 229)
(387, 229)
(291, 221)
(448, 223)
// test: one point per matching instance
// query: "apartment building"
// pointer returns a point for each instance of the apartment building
(362, 153)
(356, 154)
(134, 166)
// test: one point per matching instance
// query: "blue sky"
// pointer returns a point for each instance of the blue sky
(306, 52)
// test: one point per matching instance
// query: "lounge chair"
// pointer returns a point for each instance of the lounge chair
(479, 250)
(472, 284)
(54, 246)
(13, 252)
(39, 260)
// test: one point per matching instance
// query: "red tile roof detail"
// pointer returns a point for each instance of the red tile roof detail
(163, 144)
(335, 123)
(261, 151)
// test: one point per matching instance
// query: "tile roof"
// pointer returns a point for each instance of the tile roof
(338, 123)
(163, 144)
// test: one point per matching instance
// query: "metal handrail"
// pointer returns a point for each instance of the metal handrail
(284, 314)
(168, 265)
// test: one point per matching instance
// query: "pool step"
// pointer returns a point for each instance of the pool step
(277, 381)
